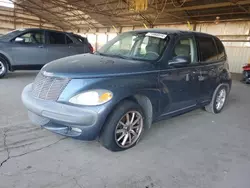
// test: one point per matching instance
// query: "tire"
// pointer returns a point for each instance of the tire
(3, 67)
(111, 135)
(214, 107)
(245, 77)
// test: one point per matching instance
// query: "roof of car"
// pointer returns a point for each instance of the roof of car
(157, 30)
(168, 31)
(30, 29)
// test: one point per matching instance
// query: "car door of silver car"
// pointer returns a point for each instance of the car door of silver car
(29, 49)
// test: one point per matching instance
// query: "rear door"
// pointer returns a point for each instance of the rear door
(179, 85)
(31, 50)
(211, 64)
(57, 45)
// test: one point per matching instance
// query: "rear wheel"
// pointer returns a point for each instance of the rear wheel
(3, 67)
(245, 77)
(218, 100)
(124, 127)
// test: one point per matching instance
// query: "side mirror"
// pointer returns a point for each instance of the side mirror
(180, 61)
(19, 40)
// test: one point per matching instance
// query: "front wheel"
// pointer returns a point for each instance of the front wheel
(124, 127)
(218, 100)
(3, 68)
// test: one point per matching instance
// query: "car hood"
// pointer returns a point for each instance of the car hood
(91, 65)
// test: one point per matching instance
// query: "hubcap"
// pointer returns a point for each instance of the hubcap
(220, 99)
(2, 68)
(128, 129)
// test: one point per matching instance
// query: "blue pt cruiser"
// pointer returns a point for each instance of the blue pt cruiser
(134, 80)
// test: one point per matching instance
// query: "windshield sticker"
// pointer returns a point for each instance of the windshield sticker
(157, 35)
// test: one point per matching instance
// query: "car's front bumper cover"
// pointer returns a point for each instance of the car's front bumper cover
(65, 119)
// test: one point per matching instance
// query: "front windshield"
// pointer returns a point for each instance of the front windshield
(136, 45)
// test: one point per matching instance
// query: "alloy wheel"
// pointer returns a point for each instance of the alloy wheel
(2, 68)
(129, 129)
(220, 99)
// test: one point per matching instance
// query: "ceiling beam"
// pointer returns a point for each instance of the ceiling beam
(148, 21)
(169, 14)
(185, 11)
(240, 6)
(125, 24)
(110, 20)
(21, 6)
(54, 15)
(35, 24)
(198, 7)
(18, 18)
(76, 9)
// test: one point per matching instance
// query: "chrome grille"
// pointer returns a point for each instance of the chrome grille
(47, 87)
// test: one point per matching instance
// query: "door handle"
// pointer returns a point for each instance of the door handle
(41, 46)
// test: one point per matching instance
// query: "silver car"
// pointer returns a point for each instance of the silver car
(30, 49)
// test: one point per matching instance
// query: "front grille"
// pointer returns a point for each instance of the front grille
(48, 87)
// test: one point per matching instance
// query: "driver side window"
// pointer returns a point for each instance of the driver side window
(186, 47)
(33, 37)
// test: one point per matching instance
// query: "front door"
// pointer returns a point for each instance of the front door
(179, 85)
(29, 49)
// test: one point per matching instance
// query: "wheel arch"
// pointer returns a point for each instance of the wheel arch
(7, 60)
(147, 107)
(143, 101)
(225, 78)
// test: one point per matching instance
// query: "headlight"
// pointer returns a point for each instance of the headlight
(92, 97)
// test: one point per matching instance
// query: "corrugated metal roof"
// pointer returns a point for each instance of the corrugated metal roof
(79, 14)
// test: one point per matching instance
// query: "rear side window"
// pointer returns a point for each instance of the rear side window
(56, 38)
(68, 40)
(81, 39)
(221, 49)
(207, 49)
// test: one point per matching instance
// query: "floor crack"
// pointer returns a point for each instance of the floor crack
(32, 151)
(5, 147)
(39, 149)
(77, 183)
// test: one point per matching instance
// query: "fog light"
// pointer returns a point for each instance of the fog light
(76, 129)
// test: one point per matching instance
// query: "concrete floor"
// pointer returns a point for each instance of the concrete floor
(196, 149)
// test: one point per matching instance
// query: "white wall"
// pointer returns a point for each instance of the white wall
(237, 57)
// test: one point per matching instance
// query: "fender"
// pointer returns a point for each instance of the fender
(225, 77)
(122, 87)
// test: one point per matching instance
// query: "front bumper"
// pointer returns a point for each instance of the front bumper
(74, 121)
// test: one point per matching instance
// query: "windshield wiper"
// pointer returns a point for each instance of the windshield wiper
(112, 55)
(117, 55)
